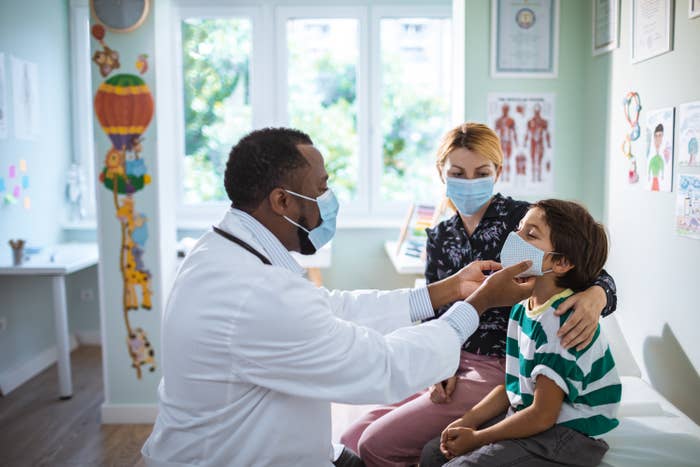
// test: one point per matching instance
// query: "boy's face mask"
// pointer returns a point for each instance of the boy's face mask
(516, 250)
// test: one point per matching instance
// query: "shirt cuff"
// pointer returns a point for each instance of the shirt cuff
(419, 304)
(463, 318)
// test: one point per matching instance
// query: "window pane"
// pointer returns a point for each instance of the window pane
(415, 93)
(216, 78)
(322, 70)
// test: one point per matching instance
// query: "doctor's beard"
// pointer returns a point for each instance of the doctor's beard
(305, 245)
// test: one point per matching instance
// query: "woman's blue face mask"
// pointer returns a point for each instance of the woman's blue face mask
(469, 196)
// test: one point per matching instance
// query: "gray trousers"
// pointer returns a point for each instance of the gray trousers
(557, 446)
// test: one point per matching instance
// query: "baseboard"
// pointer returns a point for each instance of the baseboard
(120, 414)
(89, 337)
(13, 378)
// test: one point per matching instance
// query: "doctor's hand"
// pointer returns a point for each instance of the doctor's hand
(502, 288)
(441, 393)
(461, 284)
(472, 275)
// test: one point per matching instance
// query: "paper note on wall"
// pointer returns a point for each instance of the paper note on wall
(27, 202)
(23, 165)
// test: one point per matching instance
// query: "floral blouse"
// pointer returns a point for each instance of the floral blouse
(450, 248)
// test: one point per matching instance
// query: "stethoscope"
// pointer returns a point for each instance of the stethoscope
(242, 244)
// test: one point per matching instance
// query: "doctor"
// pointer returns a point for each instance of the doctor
(253, 353)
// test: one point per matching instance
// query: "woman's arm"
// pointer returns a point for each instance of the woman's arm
(538, 417)
(579, 328)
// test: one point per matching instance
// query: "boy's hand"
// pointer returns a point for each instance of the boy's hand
(460, 422)
(580, 327)
(458, 441)
(441, 393)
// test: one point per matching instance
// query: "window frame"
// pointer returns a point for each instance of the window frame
(82, 107)
(388, 208)
(196, 215)
(269, 83)
(361, 204)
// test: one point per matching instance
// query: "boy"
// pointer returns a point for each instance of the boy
(555, 402)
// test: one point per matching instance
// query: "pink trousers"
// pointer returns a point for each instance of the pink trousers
(394, 435)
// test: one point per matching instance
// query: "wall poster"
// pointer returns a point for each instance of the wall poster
(525, 125)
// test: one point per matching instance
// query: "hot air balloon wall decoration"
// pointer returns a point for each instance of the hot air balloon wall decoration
(124, 107)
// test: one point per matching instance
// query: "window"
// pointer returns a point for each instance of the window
(216, 92)
(370, 85)
(83, 137)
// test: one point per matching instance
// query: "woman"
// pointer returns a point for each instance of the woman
(469, 162)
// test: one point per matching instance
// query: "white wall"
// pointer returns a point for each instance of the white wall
(657, 272)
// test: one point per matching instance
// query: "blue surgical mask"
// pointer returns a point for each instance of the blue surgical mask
(328, 207)
(516, 250)
(469, 196)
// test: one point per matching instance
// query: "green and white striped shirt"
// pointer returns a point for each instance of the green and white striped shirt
(588, 377)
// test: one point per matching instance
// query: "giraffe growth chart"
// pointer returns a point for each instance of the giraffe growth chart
(124, 107)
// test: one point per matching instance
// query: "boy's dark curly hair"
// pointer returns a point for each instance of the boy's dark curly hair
(579, 238)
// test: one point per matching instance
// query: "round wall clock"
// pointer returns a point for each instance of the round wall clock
(120, 15)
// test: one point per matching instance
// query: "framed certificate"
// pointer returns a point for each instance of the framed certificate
(606, 24)
(524, 38)
(693, 8)
(652, 28)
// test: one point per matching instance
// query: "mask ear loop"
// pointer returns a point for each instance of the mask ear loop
(553, 253)
(303, 197)
(297, 224)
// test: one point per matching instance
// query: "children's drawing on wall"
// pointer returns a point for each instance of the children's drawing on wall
(525, 125)
(124, 107)
(632, 106)
(25, 99)
(3, 98)
(659, 165)
(689, 134)
(688, 206)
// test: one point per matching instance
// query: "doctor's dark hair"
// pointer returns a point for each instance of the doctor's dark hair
(576, 235)
(260, 162)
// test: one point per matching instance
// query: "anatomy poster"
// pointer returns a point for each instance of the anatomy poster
(659, 153)
(525, 125)
(688, 206)
(689, 134)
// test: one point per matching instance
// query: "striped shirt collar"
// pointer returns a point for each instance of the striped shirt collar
(276, 252)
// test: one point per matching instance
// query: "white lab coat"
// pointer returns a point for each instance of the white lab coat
(252, 356)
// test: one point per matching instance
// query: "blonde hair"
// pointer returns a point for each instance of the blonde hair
(475, 137)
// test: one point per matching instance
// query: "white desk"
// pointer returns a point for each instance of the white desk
(57, 262)
(404, 265)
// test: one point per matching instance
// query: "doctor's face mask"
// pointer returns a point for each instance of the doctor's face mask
(311, 240)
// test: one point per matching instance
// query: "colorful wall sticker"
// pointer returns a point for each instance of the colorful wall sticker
(124, 107)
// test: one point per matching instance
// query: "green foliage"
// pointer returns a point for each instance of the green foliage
(322, 102)
(216, 72)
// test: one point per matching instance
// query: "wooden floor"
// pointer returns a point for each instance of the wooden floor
(37, 429)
